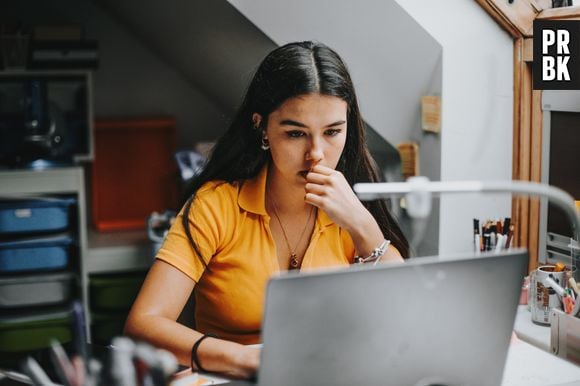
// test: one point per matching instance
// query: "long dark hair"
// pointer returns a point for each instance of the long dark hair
(289, 71)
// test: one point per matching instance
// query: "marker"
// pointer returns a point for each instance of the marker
(475, 226)
(506, 225)
(500, 243)
(122, 368)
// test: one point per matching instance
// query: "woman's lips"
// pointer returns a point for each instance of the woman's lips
(303, 173)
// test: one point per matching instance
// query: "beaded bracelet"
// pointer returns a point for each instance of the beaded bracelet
(194, 358)
(375, 254)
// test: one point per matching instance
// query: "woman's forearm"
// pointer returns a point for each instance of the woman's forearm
(216, 355)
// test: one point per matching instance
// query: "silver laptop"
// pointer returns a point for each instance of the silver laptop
(430, 321)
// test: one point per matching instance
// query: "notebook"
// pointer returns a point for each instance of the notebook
(430, 321)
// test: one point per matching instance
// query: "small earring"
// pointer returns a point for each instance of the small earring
(265, 144)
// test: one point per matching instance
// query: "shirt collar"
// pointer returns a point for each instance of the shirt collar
(252, 198)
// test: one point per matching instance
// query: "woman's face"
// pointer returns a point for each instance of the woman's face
(305, 131)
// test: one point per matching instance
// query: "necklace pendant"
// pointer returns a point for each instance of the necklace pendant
(294, 260)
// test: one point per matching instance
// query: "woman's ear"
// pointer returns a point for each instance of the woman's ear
(256, 120)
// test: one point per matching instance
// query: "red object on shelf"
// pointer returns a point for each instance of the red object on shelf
(133, 173)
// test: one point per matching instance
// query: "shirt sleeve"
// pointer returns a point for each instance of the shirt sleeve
(206, 221)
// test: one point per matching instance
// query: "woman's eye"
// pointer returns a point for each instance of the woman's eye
(295, 133)
(332, 132)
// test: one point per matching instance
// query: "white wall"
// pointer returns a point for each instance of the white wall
(368, 34)
(476, 137)
(477, 109)
(392, 59)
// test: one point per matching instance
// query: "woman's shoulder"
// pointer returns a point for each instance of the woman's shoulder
(217, 190)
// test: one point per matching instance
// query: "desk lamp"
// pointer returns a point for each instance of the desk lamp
(418, 192)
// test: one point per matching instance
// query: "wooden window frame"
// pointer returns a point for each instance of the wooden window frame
(517, 18)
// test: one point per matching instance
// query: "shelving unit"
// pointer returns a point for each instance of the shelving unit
(58, 181)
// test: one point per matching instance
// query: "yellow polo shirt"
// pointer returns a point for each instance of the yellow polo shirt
(231, 227)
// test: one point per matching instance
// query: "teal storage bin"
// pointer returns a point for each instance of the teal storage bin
(34, 331)
(115, 291)
(106, 326)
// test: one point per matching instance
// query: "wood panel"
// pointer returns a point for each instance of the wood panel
(516, 18)
(528, 51)
(564, 13)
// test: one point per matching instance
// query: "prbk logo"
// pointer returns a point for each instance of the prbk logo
(556, 55)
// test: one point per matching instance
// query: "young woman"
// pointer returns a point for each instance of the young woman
(274, 196)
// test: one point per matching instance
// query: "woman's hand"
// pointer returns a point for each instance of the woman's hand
(329, 190)
(247, 361)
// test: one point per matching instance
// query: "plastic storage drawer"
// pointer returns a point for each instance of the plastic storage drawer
(115, 291)
(35, 290)
(105, 327)
(49, 253)
(35, 215)
(34, 331)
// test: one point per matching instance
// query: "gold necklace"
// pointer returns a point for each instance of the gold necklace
(294, 263)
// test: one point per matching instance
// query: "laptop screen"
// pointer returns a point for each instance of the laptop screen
(425, 322)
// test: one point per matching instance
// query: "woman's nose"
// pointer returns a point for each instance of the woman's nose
(315, 152)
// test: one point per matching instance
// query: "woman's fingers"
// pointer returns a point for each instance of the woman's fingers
(318, 189)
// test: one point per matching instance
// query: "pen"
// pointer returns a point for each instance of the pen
(36, 374)
(510, 236)
(62, 364)
(492, 237)
(79, 331)
(82, 355)
(506, 225)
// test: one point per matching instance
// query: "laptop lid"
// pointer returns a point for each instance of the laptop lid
(430, 321)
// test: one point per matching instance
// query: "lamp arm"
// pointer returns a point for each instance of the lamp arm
(372, 191)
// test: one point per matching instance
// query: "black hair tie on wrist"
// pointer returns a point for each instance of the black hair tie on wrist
(194, 358)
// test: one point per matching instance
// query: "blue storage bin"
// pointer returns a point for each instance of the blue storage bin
(47, 253)
(35, 215)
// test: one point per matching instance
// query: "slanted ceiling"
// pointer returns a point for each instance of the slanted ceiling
(209, 42)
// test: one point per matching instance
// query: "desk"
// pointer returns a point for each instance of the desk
(526, 365)
(535, 334)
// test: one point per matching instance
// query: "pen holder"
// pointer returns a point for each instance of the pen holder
(544, 298)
